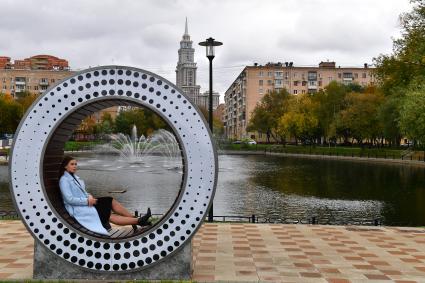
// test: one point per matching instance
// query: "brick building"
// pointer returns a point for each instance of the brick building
(254, 81)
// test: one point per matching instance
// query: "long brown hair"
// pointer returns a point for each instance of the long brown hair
(64, 163)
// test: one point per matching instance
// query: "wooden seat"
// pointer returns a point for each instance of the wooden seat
(116, 232)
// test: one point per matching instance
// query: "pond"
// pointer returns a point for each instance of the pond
(282, 189)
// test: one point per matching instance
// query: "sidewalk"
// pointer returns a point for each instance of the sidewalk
(273, 253)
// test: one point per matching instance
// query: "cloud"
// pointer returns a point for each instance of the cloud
(146, 33)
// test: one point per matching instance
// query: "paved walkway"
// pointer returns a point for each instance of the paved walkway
(273, 253)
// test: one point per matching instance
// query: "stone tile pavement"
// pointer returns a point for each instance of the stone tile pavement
(273, 253)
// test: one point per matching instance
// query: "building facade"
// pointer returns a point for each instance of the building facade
(186, 68)
(15, 81)
(255, 81)
(35, 75)
(204, 100)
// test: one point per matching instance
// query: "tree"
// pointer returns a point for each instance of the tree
(397, 71)
(265, 116)
(218, 127)
(389, 115)
(329, 103)
(360, 118)
(10, 114)
(412, 114)
(106, 123)
(145, 120)
(300, 120)
(25, 99)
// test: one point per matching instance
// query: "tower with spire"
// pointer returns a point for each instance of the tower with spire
(186, 68)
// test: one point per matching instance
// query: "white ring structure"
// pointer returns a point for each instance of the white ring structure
(47, 123)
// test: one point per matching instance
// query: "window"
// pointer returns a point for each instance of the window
(295, 83)
(303, 91)
(43, 87)
(304, 83)
(260, 74)
(348, 76)
(270, 74)
(312, 76)
(4, 80)
(35, 87)
(4, 87)
(278, 83)
(278, 74)
(260, 91)
(260, 82)
(295, 91)
(269, 82)
(364, 75)
(356, 75)
(295, 74)
(52, 80)
(339, 75)
(320, 83)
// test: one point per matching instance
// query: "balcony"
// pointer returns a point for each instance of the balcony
(23, 83)
(44, 83)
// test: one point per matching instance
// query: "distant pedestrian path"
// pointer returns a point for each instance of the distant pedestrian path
(272, 253)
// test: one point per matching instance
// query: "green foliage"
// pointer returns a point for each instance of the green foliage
(107, 124)
(388, 115)
(266, 115)
(300, 120)
(329, 103)
(218, 127)
(145, 120)
(360, 117)
(10, 114)
(397, 71)
(399, 74)
(412, 114)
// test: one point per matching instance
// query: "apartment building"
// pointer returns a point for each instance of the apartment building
(254, 81)
(15, 81)
(35, 75)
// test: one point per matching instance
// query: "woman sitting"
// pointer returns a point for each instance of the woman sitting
(92, 213)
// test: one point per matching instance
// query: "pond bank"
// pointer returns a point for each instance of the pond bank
(327, 157)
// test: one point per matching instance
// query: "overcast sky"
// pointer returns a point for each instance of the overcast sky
(146, 34)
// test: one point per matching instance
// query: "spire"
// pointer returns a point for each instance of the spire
(185, 28)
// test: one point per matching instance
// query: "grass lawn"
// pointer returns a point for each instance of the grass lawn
(80, 145)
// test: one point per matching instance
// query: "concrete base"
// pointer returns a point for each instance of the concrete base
(49, 266)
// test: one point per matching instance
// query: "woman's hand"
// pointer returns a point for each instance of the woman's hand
(91, 200)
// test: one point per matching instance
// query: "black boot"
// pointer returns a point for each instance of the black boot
(144, 220)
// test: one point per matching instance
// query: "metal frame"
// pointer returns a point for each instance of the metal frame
(92, 87)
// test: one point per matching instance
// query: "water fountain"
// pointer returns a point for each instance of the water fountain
(137, 150)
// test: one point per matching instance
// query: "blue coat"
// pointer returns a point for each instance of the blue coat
(75, 198)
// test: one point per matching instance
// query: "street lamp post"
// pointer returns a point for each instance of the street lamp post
(210, 43)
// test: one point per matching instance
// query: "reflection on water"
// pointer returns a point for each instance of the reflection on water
(298, 188)
(285, 188)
